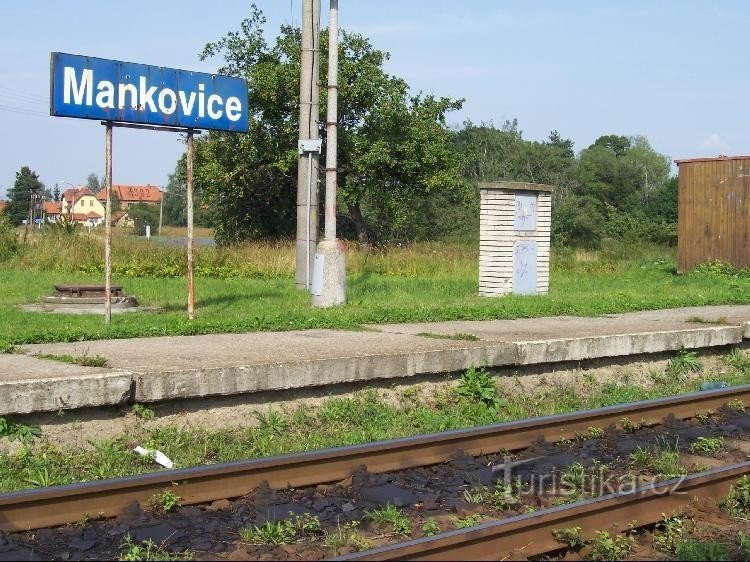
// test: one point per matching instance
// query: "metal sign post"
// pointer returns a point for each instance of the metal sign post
(108, 226)
(190, 279)
(189, 206)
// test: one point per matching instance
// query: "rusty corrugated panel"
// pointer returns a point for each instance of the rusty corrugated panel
(714, 212)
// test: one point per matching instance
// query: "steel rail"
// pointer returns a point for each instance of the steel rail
(532, 534)
(59, 505)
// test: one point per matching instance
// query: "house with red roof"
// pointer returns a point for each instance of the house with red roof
(51, 211)
(79, 204)
(132, 194)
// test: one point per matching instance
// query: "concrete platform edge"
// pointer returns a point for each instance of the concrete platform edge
(120, 387)
(53, 394)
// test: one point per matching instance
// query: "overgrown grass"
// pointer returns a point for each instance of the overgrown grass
(662, 459)
(391, 517)
(251, 288)
(131, 550)
(84, 360)
(361, 418)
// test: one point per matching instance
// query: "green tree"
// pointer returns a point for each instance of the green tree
(578, 220)
(115, 201)
(19, 196)
(661, 202)
(175, 202)
(92, 182)
(393, 146)
(622, 171)
(143, 214)
(501, 154)
(492, 154)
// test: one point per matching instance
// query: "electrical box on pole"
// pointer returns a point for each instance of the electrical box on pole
(309, 147)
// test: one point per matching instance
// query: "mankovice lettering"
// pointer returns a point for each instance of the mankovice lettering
(84, 90)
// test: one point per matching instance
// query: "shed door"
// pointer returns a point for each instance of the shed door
(524, 267)
(525, 212)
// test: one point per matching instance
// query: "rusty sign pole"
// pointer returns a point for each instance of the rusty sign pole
(190, 280)
(108, 226)
(161, 211)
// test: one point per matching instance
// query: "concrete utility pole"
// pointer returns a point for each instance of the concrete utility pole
(307, 168)
(331, 258)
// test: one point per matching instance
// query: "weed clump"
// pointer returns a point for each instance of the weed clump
(148, 550)
(430, 527)
(501, 498)
(605, 546)
(392, 516)
(669, 534)
(693, 549)
(737, 502)
(663, 459)
(478, 386)
(571, 536)
(465, 522)
(345, 535)
(283, 531)
(143, 412)
(683, 363)
(707, 445)
(738, 360)
(164, 502)
(14, 431)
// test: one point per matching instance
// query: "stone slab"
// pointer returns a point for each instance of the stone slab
(29, 384)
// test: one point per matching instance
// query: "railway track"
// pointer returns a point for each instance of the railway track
(533, 534)
(62, 505)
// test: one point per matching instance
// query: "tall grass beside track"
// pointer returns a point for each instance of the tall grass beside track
(250, 287)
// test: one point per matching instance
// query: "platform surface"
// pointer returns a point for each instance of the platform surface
(171, 368)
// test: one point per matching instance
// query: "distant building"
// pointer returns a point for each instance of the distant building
(51, 211)
(81, 205)
(121, 218)
(3, 205)
(131, 194)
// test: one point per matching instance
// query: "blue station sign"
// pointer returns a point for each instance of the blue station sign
(109, 90)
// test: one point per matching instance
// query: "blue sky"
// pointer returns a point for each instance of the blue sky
(674, 71)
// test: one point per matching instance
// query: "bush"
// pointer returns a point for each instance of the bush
(9, 245)
(637, 228)
(721, 269)
(403, 218)
(584, 222)
(578, 221)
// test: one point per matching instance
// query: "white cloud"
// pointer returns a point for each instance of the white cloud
(714, 142)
